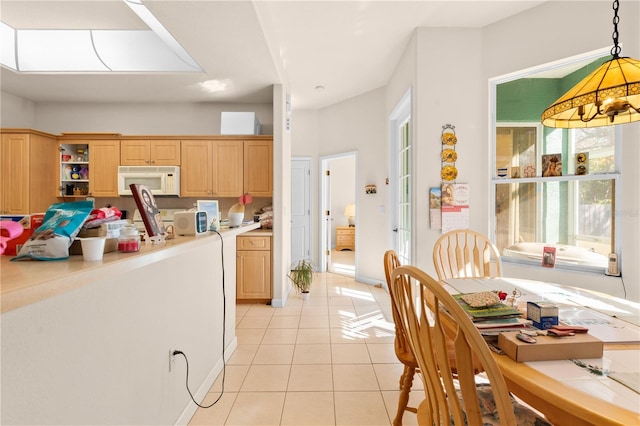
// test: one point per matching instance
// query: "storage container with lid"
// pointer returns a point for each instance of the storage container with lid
(129, 239)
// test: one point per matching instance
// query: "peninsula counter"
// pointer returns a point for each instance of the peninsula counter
(89, 342)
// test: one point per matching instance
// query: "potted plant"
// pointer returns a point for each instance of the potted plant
(301, 276)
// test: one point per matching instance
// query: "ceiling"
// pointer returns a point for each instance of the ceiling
(346, 47)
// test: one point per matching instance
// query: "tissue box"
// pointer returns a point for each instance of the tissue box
(542, 314)
(239, 123)
(582, 345)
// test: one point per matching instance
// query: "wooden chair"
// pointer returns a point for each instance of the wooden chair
(430, 315)
(463, 253)
(403, 352)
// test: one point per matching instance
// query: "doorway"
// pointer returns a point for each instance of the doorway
(338, 212)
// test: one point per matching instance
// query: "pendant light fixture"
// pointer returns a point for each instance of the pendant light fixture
(609, 95)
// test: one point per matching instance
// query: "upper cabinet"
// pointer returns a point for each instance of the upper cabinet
(27, 172)
(104, 157)
(89, 167)
(226, 168)
(258, 168)
(155, 152)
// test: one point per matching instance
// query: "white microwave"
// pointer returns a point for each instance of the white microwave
(162, 180)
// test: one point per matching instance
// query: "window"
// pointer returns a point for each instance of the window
(551, 187)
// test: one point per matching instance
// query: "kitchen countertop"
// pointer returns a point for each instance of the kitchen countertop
(26, 282)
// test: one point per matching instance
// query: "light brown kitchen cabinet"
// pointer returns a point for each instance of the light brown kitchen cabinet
(253, 268)
(27, 172)
(104, 158)
(258, 168)
(226, 168)
(153, 152)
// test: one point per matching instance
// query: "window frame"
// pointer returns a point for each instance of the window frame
(494, 180)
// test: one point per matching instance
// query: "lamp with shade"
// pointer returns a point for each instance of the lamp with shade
(609, 95)
(350, 212)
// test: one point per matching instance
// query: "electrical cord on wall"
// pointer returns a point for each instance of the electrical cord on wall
(224, 327)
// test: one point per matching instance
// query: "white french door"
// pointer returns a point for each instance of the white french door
(401, 167)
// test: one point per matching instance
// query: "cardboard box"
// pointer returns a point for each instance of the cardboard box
(29, 224)
(542, 314)
(582, 345)
(108, 229)
(239, 123)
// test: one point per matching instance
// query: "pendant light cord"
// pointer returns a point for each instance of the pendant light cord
(615, 50)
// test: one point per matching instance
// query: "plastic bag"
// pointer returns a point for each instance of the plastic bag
(51, 241)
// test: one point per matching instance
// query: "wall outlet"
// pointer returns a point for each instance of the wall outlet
(172, 358)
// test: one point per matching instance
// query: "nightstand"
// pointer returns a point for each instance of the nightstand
(345, 238)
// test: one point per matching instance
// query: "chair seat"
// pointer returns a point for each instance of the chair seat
(405, 356)
(524, 415)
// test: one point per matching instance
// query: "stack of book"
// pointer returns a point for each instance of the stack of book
(494, 318)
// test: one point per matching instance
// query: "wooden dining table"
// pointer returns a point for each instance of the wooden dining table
(596, 391)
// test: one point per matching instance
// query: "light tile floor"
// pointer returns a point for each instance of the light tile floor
(328, 360)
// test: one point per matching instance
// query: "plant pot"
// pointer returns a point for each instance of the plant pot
(305, 295)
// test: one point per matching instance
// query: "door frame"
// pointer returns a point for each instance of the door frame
(325, 200)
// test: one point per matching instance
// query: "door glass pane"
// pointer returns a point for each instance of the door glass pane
(404, 194)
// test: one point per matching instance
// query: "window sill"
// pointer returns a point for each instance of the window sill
(560, 265)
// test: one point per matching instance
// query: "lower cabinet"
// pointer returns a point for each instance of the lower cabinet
(253, 268)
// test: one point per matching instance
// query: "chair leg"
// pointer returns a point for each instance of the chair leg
(406, 381)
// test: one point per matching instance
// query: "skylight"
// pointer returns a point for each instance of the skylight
(86, 51)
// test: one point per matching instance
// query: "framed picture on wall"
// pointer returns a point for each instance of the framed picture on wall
(213, 212)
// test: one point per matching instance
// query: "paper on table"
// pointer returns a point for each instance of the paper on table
(630, 380)
(602, 326)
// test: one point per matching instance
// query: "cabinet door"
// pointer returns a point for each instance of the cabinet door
(227, 172)
(253, 274)
(44, 169)
(104, 158)
(258, 168)
(15, 174)
(196, 170)
(164, 152)
(134, 153)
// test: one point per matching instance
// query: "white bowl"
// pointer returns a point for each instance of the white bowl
(235, 219)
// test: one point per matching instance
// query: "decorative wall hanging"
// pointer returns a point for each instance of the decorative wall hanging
(370, 189)
(448, 156)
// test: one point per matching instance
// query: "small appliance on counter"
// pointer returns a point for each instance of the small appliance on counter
(190, 222)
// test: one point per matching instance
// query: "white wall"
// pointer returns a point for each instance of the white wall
(357, 124)
(281, 245)
(142, 118)
(448, 91)
(16, 112)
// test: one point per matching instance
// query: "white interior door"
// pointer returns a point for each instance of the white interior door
(300, 209)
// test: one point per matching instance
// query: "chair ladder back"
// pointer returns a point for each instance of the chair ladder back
(391, 262)
(419, 299)
(464, 253)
